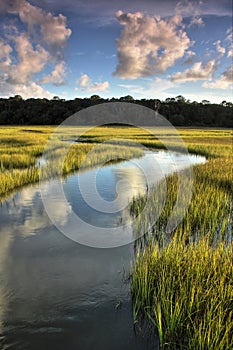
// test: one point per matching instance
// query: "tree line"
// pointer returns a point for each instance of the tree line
(179, 111)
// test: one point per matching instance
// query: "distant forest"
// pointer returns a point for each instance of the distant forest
(179, 111)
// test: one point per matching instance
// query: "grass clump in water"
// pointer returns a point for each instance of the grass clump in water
(187, 293)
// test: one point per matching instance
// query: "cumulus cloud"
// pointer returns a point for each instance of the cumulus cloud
(30, 61)
(86, 84)
(53, 28)
(57, 76)
(149, 45)
(223, 82)
(23, 54)
(198, 71)
(25, 90)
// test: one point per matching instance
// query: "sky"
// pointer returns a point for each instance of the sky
(144, 48)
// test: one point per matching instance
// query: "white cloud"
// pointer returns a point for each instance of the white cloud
(223, 82)
(221, 50)
(99, 86)
(5, 55)
(25, 90)
(198, 21)
(198, 71)
(229, 34)
(156, 88)
(148, 45)
(217, 84)
(190, 57)
(57, 77)
(188, 7)
(86, 84)
(84, 81)
(229, 42)
(230, 52)
(228, 74)
(164, 88)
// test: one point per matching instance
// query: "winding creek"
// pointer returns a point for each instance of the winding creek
(58, 294)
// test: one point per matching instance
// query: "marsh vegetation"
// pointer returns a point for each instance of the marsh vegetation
(181, 280)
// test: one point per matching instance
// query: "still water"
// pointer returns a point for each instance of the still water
(58, 294)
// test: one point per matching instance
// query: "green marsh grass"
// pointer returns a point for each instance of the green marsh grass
(186, 292)
(181, 283)
(22, 147)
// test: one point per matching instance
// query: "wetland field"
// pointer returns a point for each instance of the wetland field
(159, 289)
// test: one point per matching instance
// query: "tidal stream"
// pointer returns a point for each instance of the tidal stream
(58, 294)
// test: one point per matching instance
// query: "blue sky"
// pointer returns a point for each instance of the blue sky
(143, 48)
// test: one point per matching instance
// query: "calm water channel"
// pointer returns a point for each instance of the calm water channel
(58, 294)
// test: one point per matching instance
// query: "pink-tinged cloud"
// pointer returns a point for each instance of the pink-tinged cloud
(25, 90)
(230, 52)
(53, 28)
(86, 84)
(190, 58)
(197, 21)
(229, 34)
(188, 7)
(5, 55)
(24, 54)
(30, 61)
(149, 45)
(220, 49)
(225, 81)
(229, 42)
(84, 81)
(198, 71)
(57, 76)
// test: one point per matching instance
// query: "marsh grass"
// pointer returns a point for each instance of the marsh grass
(186, 291)
(210, 209)
(182, 282)
(21, 148)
